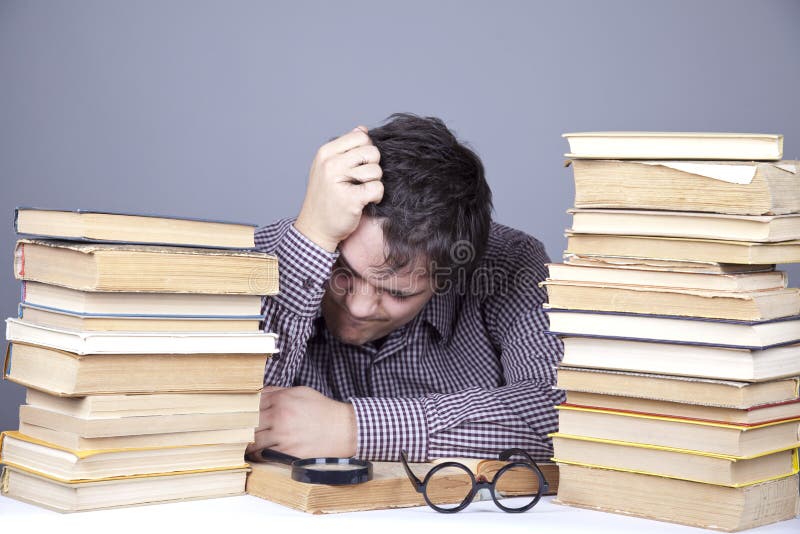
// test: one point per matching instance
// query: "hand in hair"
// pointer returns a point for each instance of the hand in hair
(345, 176)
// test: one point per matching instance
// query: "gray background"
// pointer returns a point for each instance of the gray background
(215, 109)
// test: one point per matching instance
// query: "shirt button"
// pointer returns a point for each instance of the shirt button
(308, 283)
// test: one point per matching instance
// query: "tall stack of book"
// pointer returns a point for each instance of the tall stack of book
(681, 340)
(139, 341)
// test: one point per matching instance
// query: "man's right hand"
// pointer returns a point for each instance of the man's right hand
(345, 177)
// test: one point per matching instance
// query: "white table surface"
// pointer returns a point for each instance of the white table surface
(253, 515)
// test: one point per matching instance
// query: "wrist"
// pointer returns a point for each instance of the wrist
(350, 433)
(325, 242)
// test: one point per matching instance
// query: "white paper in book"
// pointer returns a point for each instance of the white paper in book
(734, 174)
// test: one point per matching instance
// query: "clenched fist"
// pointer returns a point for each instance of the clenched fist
(345, 176)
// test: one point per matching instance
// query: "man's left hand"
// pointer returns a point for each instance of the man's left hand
(302, 422)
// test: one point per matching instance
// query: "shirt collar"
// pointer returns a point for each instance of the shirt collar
(440, 312)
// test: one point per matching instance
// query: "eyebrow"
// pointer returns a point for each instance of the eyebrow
(360, 276)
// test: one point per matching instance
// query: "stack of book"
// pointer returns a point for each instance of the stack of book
(681, 340)
(138, 340)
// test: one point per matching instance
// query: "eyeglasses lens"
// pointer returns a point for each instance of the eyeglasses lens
(517, 481)
(448, 487)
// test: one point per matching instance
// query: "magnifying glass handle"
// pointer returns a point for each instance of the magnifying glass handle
(275, 456)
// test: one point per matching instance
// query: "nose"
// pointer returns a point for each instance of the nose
(362, 300)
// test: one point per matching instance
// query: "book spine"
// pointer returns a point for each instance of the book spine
(7, 360)
(19, 260)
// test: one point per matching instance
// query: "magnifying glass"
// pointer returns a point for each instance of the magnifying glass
(331, 471)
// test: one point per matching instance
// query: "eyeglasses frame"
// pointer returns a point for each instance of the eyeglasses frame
(477, 485)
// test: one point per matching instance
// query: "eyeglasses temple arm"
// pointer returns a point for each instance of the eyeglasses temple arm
(411, 476)
(506, 454)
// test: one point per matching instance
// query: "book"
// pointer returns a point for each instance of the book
(652, 264)
(566, 272)
(653, 300)
(132, 228)
(753, 228)
(702, 361)
(673, 463)
(679, 501)
(143, 268)
(19, 450)
(721, 187)
(702, 391)
(137, 424)
(752, 415)
(59, 495)
(684, 249)
(714, 437)
(65, 373)
(101, 342)
(674, 145)
(135, 323)
(126, 304)
(389, 488)
(755, 335)
(73, 441)
(132, 405)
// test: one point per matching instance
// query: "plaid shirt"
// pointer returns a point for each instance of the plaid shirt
(471, 375)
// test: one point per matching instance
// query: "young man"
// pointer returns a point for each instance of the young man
(406, 318)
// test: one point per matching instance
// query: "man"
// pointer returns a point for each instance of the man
(407, 319)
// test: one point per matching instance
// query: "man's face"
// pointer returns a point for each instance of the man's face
(364, 301)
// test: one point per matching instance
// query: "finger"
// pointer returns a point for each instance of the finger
(354, 138)
(362, 155)
(370, 191)
(268, 396)
(365, 173)
(265, 419)
(263, 439)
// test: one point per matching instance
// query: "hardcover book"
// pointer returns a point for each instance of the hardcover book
(103, 226)
(62, 496)
(25, 452)
(678, 389)
(389, 488)
(142, 268)
(760, 229)
(713, 437)
(679, 501)
(684, 249)
(674, 145)
(753, 335)
(65, 373)
(735, 188)
(669, 462)
(684, 359)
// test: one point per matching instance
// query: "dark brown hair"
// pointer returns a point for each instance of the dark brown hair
(436, 203)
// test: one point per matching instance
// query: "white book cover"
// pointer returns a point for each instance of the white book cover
(79, 342)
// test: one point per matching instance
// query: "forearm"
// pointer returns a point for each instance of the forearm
(475, 422)
(304, 268)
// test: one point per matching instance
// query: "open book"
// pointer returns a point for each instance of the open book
(389, 488)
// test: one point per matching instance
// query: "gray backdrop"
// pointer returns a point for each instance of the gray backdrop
(216, 108)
